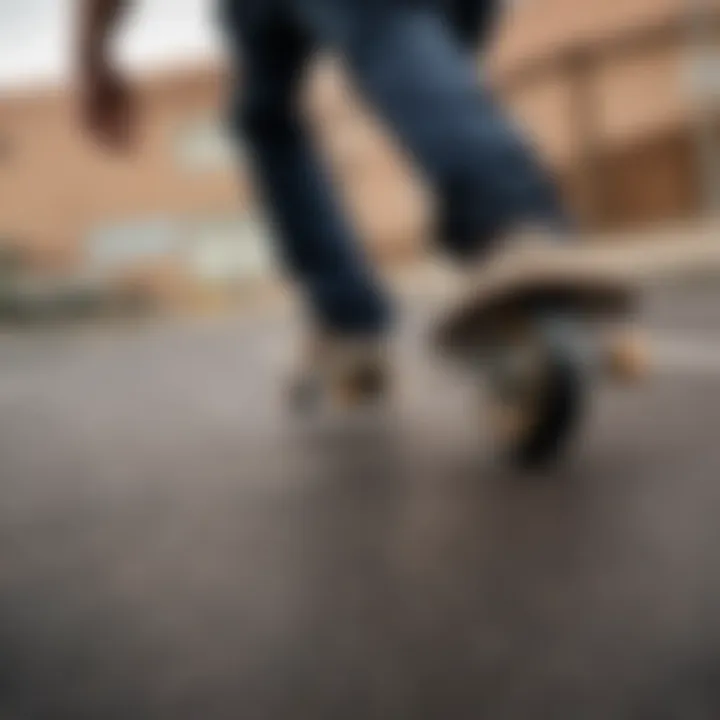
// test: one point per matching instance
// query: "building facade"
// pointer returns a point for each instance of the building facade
(620, 98)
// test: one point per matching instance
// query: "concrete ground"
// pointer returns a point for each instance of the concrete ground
(175, 545)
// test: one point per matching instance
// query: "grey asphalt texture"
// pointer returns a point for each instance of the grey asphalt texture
(175, 545)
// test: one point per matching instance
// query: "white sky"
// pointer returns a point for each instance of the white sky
(36, 37)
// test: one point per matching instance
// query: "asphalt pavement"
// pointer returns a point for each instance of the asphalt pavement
(175, 545)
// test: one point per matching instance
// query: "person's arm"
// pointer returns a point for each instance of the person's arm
(98, 18)
(106, 102)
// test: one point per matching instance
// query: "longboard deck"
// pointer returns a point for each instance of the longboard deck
(504, 296)
(602, 278)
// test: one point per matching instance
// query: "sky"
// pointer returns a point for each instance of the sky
(36, 37)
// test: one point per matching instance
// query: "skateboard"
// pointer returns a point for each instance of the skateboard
(537, 332)
(536, 337)
(534, 344)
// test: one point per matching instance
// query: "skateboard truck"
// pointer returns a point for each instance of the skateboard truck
(537, 381)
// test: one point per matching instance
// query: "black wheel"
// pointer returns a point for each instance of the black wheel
(538, 394)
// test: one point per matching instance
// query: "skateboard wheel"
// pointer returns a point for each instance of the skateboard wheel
(534, 423)
(628, 356)
(362, 386)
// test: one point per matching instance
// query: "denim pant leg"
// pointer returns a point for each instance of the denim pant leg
(416, 72)
(316, 242)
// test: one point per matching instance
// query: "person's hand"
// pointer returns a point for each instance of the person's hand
(108, 107)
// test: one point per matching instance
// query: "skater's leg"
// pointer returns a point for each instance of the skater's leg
(471, 21)
(316, 243)
(406, 60)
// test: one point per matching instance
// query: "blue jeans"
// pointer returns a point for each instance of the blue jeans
(414, 69)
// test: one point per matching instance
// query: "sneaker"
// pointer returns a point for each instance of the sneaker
(347, 372)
